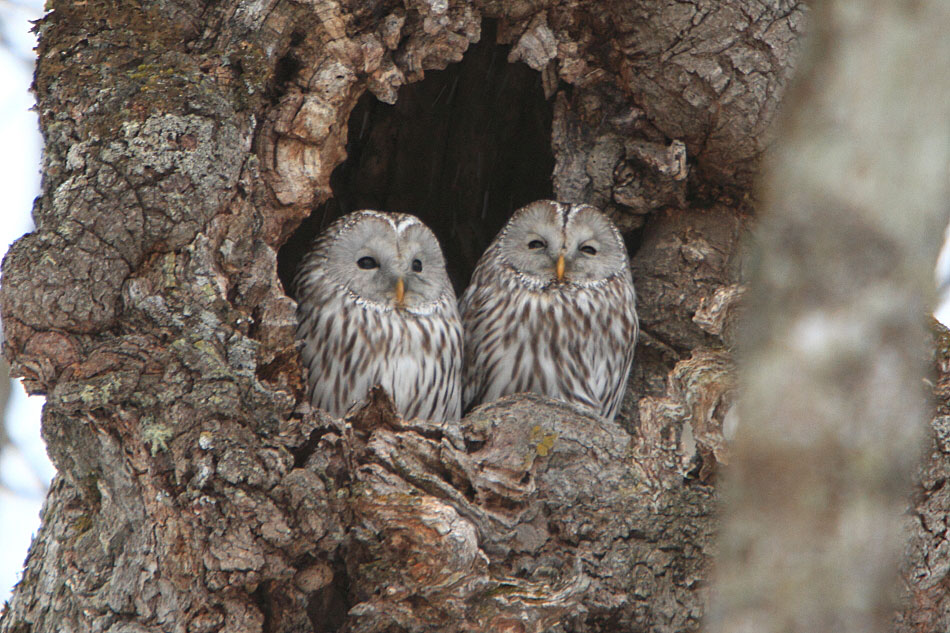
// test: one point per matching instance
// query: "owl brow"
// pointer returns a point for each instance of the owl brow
(391, 222)
(343, 224)
(566, 217)
(398, 221)
(405, 223)
(572, 211)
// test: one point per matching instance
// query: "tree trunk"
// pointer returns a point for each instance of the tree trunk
(832, 410)
(192, 151)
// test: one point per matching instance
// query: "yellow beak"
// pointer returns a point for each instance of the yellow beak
(400, 291)
(560, 267)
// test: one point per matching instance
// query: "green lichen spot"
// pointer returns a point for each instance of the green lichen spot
(169, 278)
(82, 524)
(543, 442)
(88, 395)
(157, 435)
(101, 393)
(546, 444)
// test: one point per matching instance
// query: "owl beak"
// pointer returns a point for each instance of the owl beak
(400, 291)
(560, 267)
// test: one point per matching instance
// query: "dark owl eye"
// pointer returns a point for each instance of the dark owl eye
(533, 244)
(367, 263)
(416, 266)
(587, 248)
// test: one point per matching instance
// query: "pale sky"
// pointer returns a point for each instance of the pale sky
(24, 470)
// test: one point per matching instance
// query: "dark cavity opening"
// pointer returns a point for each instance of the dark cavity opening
(462, 150)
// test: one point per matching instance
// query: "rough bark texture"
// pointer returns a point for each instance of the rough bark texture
(925, 570)
(832, 410)
(187, 141)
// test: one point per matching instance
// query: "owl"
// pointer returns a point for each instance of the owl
(375, 307)
(551, 309)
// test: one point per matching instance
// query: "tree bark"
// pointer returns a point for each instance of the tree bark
(192, 148)
(925, 604)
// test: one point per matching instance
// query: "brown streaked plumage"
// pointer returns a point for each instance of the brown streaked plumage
(551, 309)
(375, 307)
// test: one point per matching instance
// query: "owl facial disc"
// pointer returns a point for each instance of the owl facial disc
(388, 263)
(550, 243)
(375, 307)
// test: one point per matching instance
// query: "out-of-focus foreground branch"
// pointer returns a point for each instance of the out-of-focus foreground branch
(832, 406)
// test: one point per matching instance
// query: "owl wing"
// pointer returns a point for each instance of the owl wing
(621, 334)
(450, 379)
(477, 308)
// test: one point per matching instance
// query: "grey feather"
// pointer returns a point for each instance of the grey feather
(526, 331)
(355, 335)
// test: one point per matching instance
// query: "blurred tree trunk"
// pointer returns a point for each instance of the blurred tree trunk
(192, 149)
(835, 340)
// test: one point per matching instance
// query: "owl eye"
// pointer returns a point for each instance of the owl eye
(416, 266)
(367, 263)
(533, 244)
(587, 248)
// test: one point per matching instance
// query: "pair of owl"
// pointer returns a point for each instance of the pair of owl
(550, 309)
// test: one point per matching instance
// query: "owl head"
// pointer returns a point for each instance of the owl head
(385, 260)
(549, 242)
